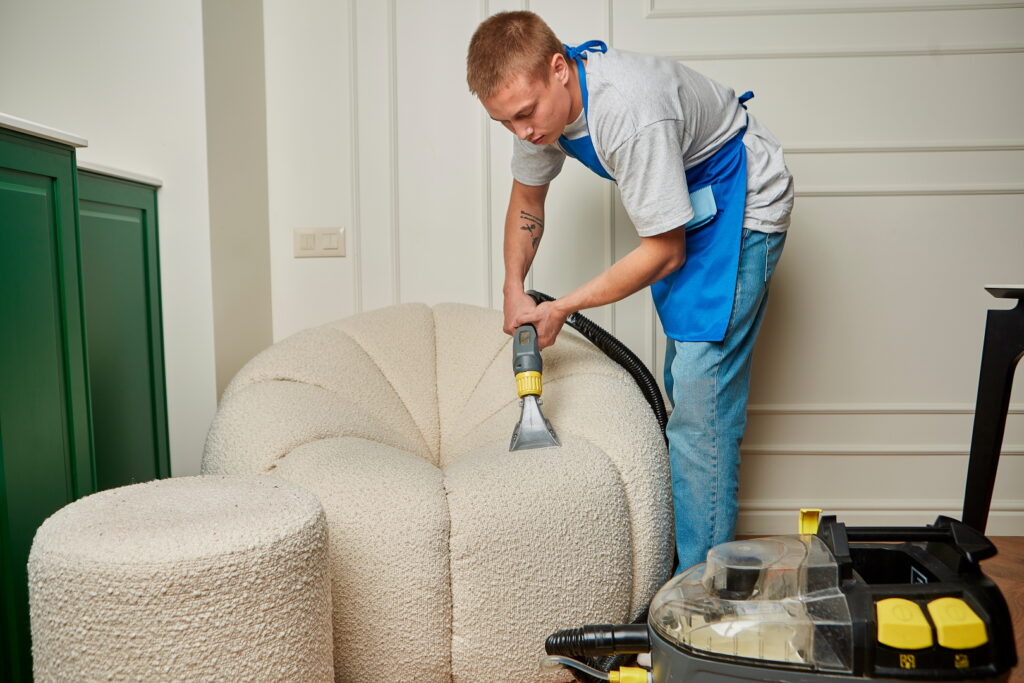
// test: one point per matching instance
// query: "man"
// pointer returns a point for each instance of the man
(708, 191)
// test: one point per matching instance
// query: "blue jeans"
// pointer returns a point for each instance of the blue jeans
(708, 384)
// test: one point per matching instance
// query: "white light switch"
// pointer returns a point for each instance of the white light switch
(318, 242)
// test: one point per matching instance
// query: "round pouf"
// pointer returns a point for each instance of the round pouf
(211, 578)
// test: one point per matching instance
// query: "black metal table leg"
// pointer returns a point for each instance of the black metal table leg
(1003, 348)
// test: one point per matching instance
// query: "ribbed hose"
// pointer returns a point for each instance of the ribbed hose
(621, 354)
(599, 639)
(580, 642)
(601, 646)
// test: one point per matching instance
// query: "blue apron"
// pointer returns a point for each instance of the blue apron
(694, 302)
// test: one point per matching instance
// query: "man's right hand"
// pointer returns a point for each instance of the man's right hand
(516, 304)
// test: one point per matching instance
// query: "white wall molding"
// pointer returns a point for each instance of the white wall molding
(844, 450)
(905, 148)
(734, 8)
(782, 522)
(485, 210)
(868, 409)
(485, 187)
(355, 209)
(396, 249)
(911, 191)
(848, 53)
(872, 504)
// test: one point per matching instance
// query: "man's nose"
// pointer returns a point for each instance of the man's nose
(524, 131)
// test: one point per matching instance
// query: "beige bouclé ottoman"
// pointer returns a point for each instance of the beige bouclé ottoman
(189, 579)
(451, 558)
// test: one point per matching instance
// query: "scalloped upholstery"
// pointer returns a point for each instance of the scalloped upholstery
(451, 558)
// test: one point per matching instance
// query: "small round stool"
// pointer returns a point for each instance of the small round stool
(211, 578)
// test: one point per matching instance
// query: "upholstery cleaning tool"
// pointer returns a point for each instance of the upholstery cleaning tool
(621, 354)
(533, 430)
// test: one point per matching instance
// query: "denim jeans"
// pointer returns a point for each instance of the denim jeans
(708, 384)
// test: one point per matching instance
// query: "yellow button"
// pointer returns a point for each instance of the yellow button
(902, 624)
(958, 627)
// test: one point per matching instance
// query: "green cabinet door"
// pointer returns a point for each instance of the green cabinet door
(121, 288)
(45, 449)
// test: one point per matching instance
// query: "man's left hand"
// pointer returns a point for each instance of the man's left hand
(547, 318)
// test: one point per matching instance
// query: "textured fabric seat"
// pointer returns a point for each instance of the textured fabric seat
(451, 558)
(187, 579)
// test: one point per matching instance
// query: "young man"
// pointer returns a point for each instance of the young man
(708, 191)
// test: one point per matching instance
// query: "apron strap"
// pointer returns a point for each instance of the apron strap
(745, 97)
(574, 53)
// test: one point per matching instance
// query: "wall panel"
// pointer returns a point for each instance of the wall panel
(308, 158)
(903, 131)
(438, 158)
(374, 136)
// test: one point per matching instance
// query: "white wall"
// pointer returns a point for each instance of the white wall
(308, 157)
(903, 126)
(128, 77)
(236, 126)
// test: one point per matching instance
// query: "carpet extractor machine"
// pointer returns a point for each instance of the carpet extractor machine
(832, 602)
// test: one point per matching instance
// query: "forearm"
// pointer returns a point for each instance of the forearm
(646, 264)
(524, 227)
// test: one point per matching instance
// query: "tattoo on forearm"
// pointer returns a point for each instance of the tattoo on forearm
(534, 225)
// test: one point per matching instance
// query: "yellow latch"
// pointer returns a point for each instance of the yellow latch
(902, 624)
(807, 522)
(628, 674)
(956, 624)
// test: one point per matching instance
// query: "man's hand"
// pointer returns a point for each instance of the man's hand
(517, 304)
(548, 318)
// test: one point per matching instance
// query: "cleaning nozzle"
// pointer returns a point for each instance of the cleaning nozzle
(533, 430)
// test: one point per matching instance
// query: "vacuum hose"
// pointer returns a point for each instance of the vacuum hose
(603, 646)
(599, 639)
(621, 354)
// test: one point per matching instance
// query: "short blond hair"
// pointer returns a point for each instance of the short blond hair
(506, 45)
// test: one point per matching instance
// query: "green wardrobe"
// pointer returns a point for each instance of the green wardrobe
(82, 399)
(124, 341)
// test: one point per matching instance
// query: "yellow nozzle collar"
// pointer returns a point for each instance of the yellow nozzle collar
(528, 383)
(628, 674)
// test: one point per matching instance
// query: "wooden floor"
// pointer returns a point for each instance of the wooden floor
(1007, 570)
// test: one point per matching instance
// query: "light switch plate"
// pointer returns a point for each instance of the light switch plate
(318, 242)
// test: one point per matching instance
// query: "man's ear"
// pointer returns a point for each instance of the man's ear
(559, 67)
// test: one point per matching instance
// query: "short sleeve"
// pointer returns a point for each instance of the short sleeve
(651, 176)
(535, 164)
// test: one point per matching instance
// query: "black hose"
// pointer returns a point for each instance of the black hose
(599, 639)
(601, 646)
(621, 354)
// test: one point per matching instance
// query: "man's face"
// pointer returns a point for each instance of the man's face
(535, 111)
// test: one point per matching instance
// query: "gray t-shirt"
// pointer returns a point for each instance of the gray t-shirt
(650, 118)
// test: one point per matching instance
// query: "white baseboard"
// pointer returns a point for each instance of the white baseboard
(766, 518)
